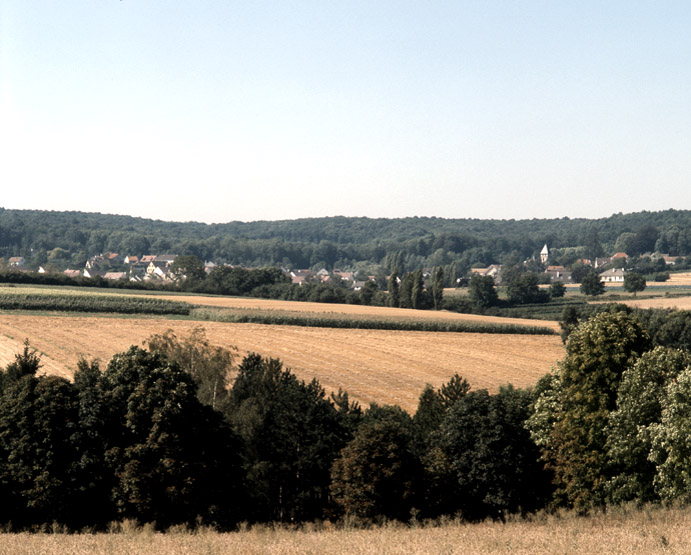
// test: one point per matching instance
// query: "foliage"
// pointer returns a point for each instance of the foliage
(557, 289)
(482, 292)
(73, 302)
(634, 282)
(591, 284)
(524, 289)
(173, 459)
(375, 474)
(671, 441)
(438, 288)
(597, 353)
(291, 433)
(639, 410)
(320, 320)
(491, 463)
(209, 366)
(189, 268)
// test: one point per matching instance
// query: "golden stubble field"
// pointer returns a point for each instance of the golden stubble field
(657, 531)
(372, 365)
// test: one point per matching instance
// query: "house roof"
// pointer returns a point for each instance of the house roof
(619, 255)
(115, 275)
(613, 272)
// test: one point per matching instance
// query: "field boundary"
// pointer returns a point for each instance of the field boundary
(350, 322)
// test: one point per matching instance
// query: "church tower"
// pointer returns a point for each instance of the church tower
(544, 254)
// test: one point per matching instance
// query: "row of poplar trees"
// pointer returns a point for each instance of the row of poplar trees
(177, 432)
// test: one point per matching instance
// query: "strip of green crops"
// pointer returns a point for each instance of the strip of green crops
(326, 321)
(91, 303)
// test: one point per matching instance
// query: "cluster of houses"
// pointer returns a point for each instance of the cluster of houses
(133, 268)
(113, 266)
(299, 277)
(613, 274)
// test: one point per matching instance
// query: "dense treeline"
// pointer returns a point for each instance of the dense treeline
(177, 433)
(69, 238)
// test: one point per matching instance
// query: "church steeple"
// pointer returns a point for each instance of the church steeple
(544, 254)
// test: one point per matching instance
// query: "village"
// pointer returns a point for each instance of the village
(158, 268)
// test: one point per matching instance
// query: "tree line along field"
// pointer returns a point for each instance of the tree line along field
(372, 365)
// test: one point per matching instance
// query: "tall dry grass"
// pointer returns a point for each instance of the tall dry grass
(648, 531)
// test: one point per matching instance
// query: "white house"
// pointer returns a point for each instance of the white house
(615, 275)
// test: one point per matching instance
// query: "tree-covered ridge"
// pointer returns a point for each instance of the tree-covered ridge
(406, 243)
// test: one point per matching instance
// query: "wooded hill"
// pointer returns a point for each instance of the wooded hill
(69, 238)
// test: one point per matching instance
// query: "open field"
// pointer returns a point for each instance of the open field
(646, 531)
(372, 365)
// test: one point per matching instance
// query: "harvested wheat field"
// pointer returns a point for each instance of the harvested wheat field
(682, 303)
(372, 365)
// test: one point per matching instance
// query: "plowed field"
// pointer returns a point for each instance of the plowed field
(372, 365)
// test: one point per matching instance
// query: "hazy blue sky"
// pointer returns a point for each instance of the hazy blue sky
(221, 110)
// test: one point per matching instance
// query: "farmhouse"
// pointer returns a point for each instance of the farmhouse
(558, 273)
(16, 261)
(615, 275)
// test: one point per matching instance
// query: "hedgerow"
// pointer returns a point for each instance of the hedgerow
(120, 304)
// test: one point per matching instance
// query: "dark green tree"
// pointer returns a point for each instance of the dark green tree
(591, 284)
(417, 290)
(525, 289)
(38, 415)
(175, 460)
(438, 288)
(375, 474)
(292, 434)
(492, 466)
(557, 289)
(188, 268)
(393, 286)
(482, 292)
(634, 282)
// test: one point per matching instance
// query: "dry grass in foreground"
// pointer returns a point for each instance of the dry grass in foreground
(643, 531)
(372, 365)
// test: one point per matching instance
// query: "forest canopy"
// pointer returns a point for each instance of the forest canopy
(341, 242)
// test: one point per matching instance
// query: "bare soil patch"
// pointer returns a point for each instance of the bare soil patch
(372, 365)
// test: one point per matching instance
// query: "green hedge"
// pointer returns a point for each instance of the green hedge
(365, 323)
(91, 303)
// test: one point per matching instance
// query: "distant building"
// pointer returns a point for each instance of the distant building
(544, 254)
(615, 275)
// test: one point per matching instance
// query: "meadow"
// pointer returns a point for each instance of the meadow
(621, 531)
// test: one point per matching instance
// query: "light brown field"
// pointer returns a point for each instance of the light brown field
(651, 532)
(682, 303)
(372, 365)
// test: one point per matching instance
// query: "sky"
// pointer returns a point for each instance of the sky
(221, 110)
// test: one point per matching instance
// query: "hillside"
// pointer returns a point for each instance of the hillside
(68, 238)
